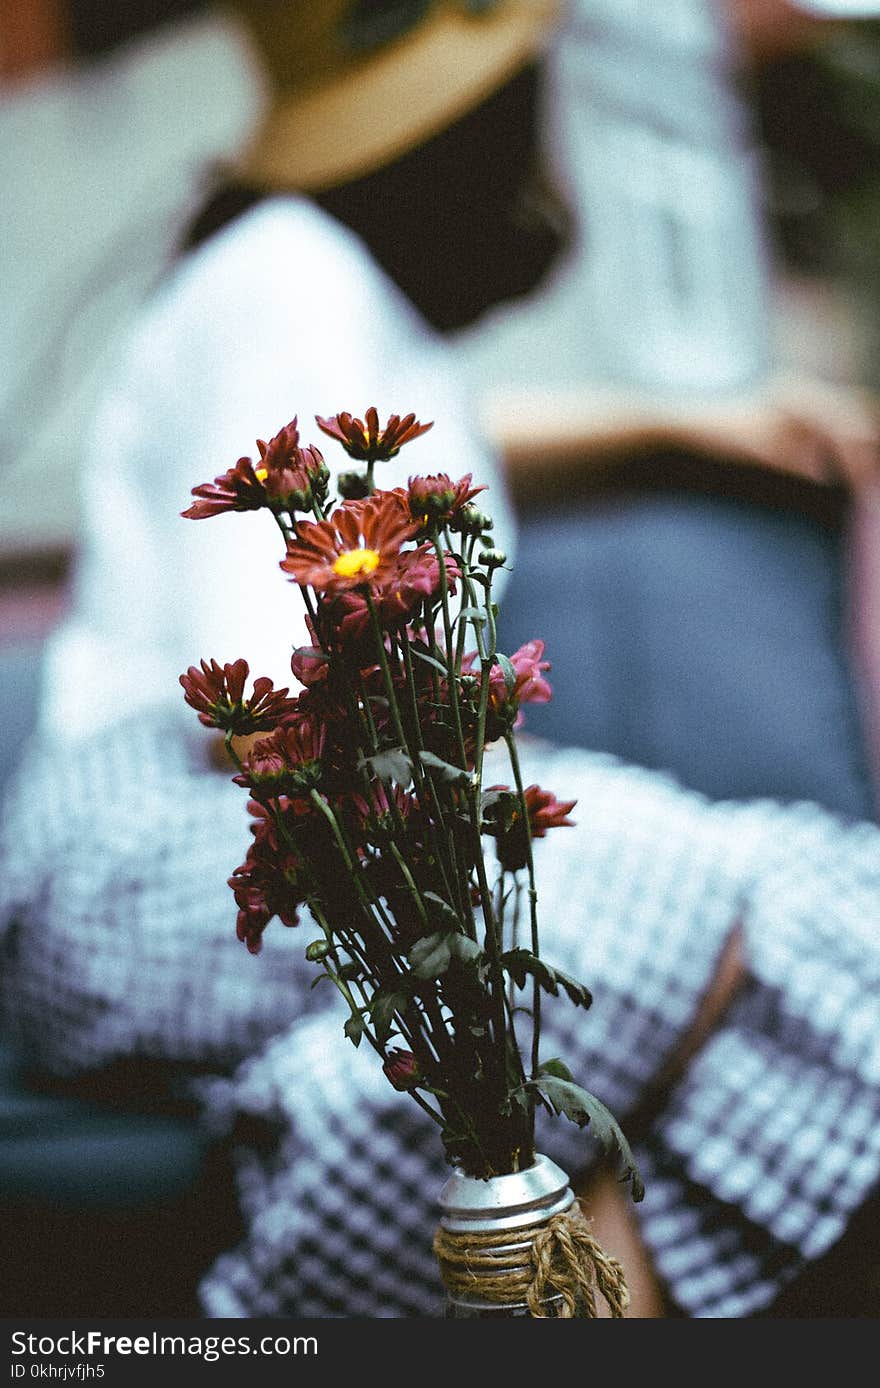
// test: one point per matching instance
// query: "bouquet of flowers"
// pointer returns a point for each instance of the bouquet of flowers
(367, 797)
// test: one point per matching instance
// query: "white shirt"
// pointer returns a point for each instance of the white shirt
(101, 164)
(283, 313)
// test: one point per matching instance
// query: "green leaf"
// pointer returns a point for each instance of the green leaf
(471, 614)
(555, 1067)
(354, 1028)
(442, 911)
(392, 765)
(566, 1097)
(520, 963)
(429, 659)
(507, 671)
(464, 949)
(456, 775)
(431, 957)
(382, 1007)
(520, 1096)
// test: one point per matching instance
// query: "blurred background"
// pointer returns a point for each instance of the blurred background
(111, 115)
(722, 165)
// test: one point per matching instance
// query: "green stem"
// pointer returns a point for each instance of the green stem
(533, 895)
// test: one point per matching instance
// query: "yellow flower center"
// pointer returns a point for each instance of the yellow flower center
(353, 562)
(261, 473)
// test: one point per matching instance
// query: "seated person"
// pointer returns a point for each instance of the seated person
(120, 834)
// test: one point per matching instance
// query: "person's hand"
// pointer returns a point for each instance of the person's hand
(798, 425)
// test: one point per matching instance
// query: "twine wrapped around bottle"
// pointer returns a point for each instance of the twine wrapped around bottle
(555, 1268)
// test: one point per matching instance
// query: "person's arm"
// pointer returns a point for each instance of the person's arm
(796, 425)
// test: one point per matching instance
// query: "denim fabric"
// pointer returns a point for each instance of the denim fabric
(698, 634)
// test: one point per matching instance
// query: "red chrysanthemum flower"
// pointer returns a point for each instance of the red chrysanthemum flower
(216, 692)
(309, 665)
(437, 499)
(365, 441)
(413, 576)
(263, 887)
(239, 489)
(530, 687)
(288, 762)
(292, 476)
(545, 811)
(505, 821)
(379, 804)
(356, 548)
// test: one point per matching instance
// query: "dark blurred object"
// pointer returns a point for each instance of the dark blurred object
(97, 26)
(819, 122)
(497, 246)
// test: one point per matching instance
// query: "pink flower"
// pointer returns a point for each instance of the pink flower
(292, 476)
(437, 499)
(545, 811)
(365, 441)
(505, 820)
(288, 762)
(414, 576)
(356, 548)
(239, 489)
(527, 687)
(530, 686)
(216, 692)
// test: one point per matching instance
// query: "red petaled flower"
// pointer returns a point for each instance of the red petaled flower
(356, 548)
(413, 576)
(239, 489)
(545, 811)
(365, 441)
(288, 762)
(292, 476)
(527, 687)
(505, 821)
(216, 692)
(309, 665)
(437, 498)
(402, 1069)
(530, 687)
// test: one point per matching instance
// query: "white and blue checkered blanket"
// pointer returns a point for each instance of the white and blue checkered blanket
(117, 939)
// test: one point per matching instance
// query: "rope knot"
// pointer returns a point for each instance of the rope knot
(554, 1268)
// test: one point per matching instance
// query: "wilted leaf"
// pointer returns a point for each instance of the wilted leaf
(431, 957)
(354, 1028)
(382, 1007)
(564, 1096)
(392, 765)
(456, 775)
(521, 963)
(442, 910)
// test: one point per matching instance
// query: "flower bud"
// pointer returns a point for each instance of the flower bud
(402, 1069)
(353, 486)
(470, 520)
(317, 951)
(493, 558)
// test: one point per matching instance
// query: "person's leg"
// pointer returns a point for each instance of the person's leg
(701, 635)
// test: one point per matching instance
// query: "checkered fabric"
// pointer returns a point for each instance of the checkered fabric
(118, 940)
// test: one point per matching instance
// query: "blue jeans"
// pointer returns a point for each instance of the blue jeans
(697, 631)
